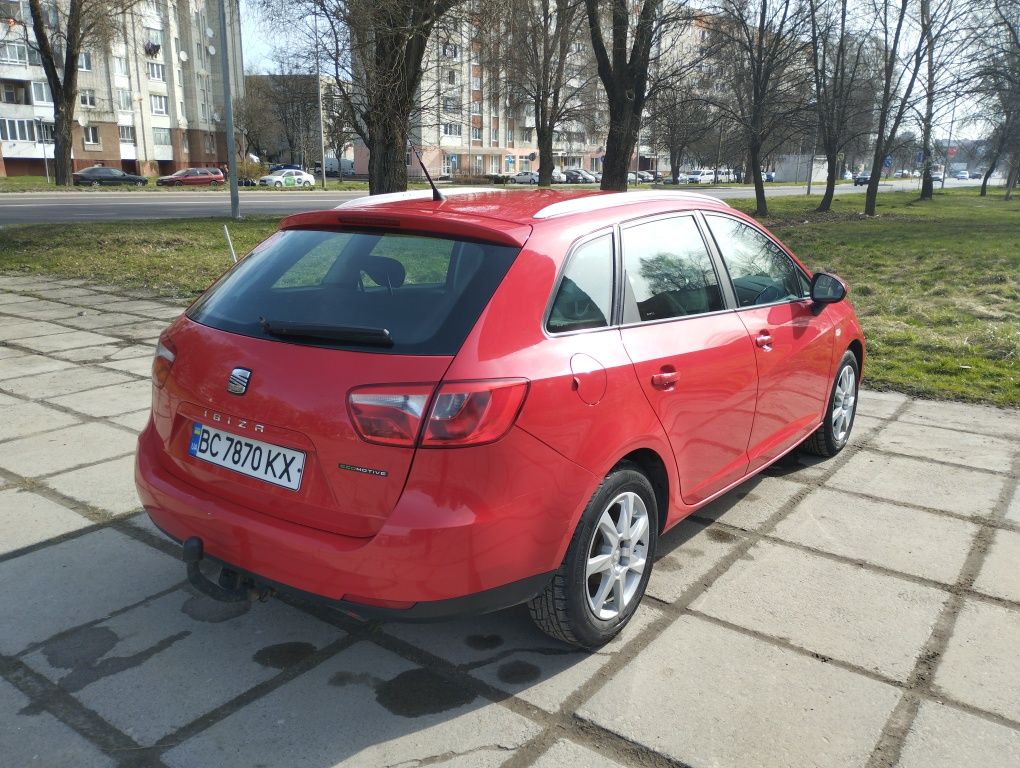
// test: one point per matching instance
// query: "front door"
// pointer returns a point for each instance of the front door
(692, 356)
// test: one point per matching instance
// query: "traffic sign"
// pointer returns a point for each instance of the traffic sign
(888, 161)
(952, 152)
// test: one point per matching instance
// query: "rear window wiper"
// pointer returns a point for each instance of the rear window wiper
(348, 334)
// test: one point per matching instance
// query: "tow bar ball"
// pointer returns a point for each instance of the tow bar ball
(232, 587)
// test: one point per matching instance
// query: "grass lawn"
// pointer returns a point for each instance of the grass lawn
(936, 284)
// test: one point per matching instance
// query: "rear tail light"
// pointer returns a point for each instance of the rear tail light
(462, 413)
(166, 353)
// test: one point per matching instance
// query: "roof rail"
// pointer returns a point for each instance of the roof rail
(414, 194)
(598, 202)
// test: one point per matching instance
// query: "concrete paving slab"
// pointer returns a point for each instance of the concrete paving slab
(875, 621)
(18, 418)
(77, 581)
(109, 401)
(97, 299)
(134, 305)
(109, 486)
(27, 518)
(914, 481)
(142, 522)
(69, 340)
(7, 352)
(61, 449)
(364, 707)
(28, 364)
(508, 652)
(175, 645)
(166, 314)
(135, 420)
(1000, 572)
(13, 298)
(880, 405)
(566, 753)
(979, 666)
(62, 292)
(62, 382)
(685, 555)
(93, 320)
(997, 422)
(40, 309)
(31, 736)
(892, 536)
(134, 350)
(945, 737)
(87, 354)
(140, 366)
(27, 329)
(1013, 511)
(805, 467)
(142, 329)
(709, 696)
(752, 503)
(952, 445)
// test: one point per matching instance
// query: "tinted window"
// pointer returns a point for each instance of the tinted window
(761, 272)
(585, 296)
(669, 271)
(426, 291)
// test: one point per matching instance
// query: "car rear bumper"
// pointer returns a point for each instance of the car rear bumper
(445, 549)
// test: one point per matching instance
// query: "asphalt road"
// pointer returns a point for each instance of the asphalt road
(60, 207)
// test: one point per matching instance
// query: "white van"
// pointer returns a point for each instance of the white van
(702, 176)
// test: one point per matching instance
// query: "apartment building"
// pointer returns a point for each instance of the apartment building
(149, 102)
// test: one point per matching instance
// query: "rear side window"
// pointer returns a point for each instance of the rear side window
(759, 269)
(585, 296)
(425, 293)
(669, 271)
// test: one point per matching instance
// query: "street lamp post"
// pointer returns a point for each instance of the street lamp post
(318, 90)
(42, 140)
(228, 114)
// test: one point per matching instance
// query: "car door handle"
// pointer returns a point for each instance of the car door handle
(666, 380)
(764, 340)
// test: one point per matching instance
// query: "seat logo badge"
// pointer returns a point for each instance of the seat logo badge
(237, 384)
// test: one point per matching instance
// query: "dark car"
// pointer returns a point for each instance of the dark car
(100, 175)
(192, 177)
(861, 179)
(578, 176)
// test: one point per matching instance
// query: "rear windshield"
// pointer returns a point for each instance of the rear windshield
(423, 294)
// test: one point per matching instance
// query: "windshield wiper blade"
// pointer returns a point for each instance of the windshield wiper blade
(348, 334)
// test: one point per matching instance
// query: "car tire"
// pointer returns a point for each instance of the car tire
(139, 183)
(306, 184)
(178, 183)
(95, 184)
(830, 438)
(576, 606)
(278, 184)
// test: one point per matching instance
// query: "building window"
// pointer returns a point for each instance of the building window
(158, 104)
(87, 97)
(451, 105)
(124, 100)
(85, 61)
(476, 107)
(494, 135)
(41, 93)
(526, 134)
(156, 71)
(161, 137)
(16, 53)
(451, 129)
(17, 130)
(91, 134)
(180, 77)
(11, 93)
(510, 137)
(451, 77)
(476, 134)
(120, 66)
(210, 144)
(127, 134)
(476, 83)
(201, 110)
(451, 51)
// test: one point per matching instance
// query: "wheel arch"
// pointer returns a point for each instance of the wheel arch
(654, 468)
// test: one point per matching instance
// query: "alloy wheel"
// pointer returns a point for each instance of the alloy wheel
(844, 401)
(617, 556)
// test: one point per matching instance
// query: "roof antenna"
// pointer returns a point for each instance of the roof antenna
(436, 194)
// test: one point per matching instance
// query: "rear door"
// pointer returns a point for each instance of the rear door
(692, 355)
(792, 345)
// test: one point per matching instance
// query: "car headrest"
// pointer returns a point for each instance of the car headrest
(384, 270)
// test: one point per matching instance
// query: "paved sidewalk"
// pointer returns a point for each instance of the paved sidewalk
(863, 611)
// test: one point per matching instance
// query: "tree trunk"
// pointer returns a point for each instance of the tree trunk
(1011, 179)
(63, 118)
(674, 165)
(830, 181)
(988, 175)
(619, 148)
(544, 137)
(386, 152)
(762, 208)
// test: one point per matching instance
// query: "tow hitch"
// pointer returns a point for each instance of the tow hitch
(233, 587)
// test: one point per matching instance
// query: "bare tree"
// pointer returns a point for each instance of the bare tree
(844, 83)
(679, 119)
(258, 135)
(375, 51)
(60, 33)
(763, 53)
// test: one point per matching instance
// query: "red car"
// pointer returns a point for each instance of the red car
(188, 177)
(416, 408)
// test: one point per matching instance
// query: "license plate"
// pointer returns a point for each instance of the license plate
(264, 461)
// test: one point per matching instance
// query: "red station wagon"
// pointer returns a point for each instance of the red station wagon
(417, 408)
(189, 177)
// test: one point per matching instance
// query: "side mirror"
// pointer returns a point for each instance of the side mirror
(826, 288)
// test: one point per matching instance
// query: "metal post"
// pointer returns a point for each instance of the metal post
(228, 113)
(318, 89)
(42, 140)
(811, 159)
(949, 145)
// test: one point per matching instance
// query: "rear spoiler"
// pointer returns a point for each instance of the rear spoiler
(451, 225)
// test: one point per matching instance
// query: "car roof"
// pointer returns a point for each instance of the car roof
(502, 215)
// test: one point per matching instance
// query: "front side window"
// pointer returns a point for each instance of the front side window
(585, 295)
(669, 271)
(760, 271)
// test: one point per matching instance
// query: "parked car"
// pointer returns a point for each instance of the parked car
(192, 177)
(284, 167)
(937, 177)
(101, 176)
(287, 177)
(848, 176)
(702, 176)
(645, 176)
(962, 176)
(461, 408)
(862, 179)
(558, 177)
(632, 178)
(525, 177)
(579, 176)
(977, 174)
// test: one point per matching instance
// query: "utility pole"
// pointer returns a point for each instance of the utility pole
(228, 113)
(318, 90)
(811, 160)
(949, 145)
